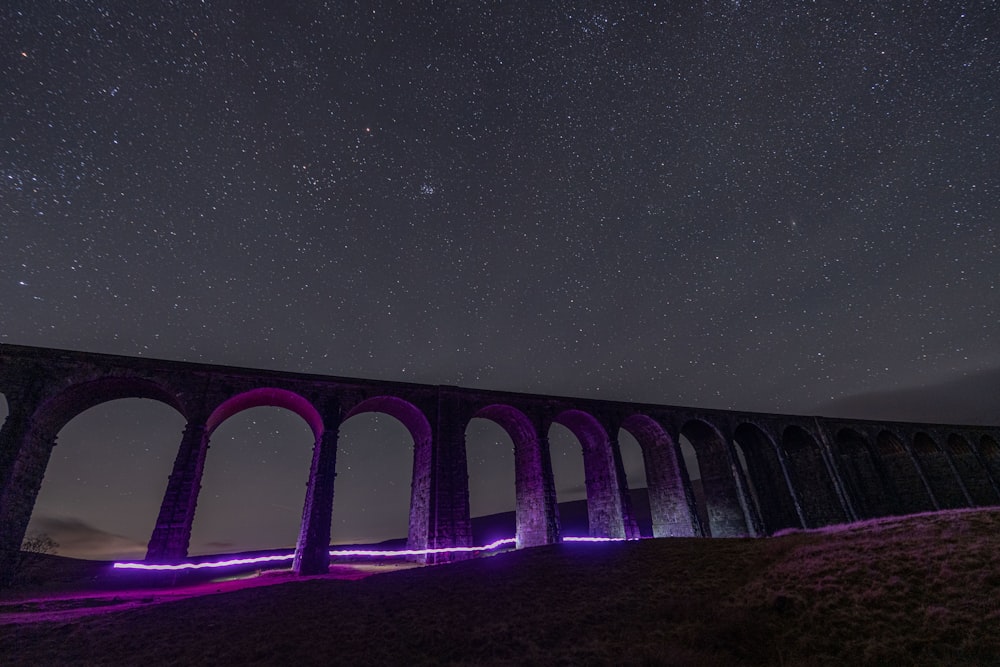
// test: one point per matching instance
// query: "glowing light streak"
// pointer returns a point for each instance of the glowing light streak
(421, 552)
(385, 553)
(200, 566)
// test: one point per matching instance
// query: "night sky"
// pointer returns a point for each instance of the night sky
(784, 207)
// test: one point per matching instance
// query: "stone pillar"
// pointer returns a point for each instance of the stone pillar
(787, 478)
(312, 553)
(537, 513)
(826, 452)
(28, 452)
(449, 521)
(670, 501)
(604, 500)
(629, 524)
(172, 534)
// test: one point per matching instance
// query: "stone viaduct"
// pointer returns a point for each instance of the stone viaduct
(760, 473)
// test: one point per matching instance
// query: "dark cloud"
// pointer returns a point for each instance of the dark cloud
(970, 399)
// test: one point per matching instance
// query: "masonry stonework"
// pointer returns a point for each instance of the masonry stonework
(760, 473)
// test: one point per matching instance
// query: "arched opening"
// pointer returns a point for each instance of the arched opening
(867, 486)
(697, 493)
(605, 512)
(971, 471)
(535, 521)
(721, 495)
(371, 503)
(105, 479)
(383, 475)
(569, 481)
(811, 479)
(938, 472)
(911, 494)
(635, 482)
(489, 452)
(989, 449)
(669, 490)
(767, 478)
(253, 483)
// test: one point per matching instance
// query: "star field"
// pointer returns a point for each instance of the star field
(728, 204)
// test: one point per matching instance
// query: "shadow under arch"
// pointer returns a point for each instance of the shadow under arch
(972, 471)
(911, 492)
(775, 502)
(811, 479)
(535, 513)
(941, 478)
(420, 486)
(867, 485)
(722, 497)
(671, 501)
(605, 502)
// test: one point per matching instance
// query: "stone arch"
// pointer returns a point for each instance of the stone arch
(989, 450)
(32, 445)
(59, 409)
(766, 473)
(420, 485)
(266, 397)
(262, 397)
(605, 514)
(811, 479)
(911, 491)
(670, 500)
(535, 514)
(865, 482)
(971, 471)
(104, 482)
(722, 501)
(941, 478)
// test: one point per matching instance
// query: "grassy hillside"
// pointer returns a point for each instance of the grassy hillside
(919, 590)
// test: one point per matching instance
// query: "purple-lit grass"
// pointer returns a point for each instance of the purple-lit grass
(919, 590)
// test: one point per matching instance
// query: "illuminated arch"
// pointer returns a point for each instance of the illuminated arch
(266, 397)
(670, 501)
(535, 509)
(261, 397)
(775, 501)
(811, 479)
(420, 487)
(605, 513)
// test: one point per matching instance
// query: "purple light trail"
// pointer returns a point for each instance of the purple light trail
(344, 552)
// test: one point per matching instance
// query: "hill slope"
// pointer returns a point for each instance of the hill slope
(918, 590)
